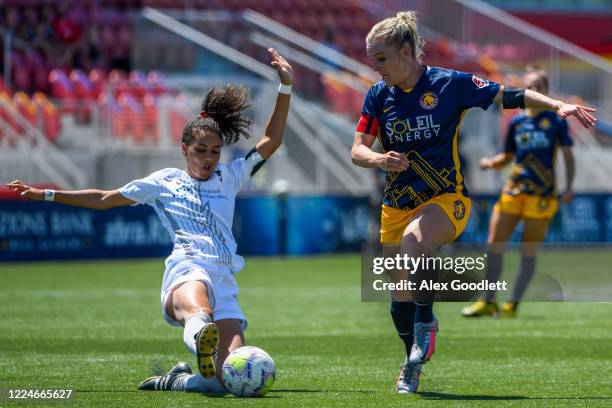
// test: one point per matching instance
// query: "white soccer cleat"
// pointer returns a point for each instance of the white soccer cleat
(408, 379)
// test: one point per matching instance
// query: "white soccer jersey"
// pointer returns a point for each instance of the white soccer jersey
(197, 214)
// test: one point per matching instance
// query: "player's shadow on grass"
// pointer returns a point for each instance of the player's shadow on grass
(439, 396)
(299, 391)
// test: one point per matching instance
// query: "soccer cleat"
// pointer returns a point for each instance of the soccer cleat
(408, 379)
(207, 341)
(481, 308)
(180, 368)
(509, 309)
(424, 342)
(169, 382)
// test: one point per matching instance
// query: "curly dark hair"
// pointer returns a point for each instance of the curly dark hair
(222, 113)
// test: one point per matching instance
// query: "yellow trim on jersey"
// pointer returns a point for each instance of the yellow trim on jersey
(393, 222)
(458, 175)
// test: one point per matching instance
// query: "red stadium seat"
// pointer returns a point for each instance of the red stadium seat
(83, 88)
(84, 92)
(130, 118)
(157, 83)
(150, 118)
(51, 117)
(177, 117)
(139, 86)
(118, 83)
(108, 111)
(26, 107)
(8, 112)
(61, 87)
(97, 77)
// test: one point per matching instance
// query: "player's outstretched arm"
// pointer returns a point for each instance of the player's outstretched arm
(527, 98)
(273, 137)
(496, 162)
(363, 156)
(95, 199)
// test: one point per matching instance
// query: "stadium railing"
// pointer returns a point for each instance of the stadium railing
(312, 150)
(27, 148)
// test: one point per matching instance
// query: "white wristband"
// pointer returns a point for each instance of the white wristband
(284, 89)
(49, 195)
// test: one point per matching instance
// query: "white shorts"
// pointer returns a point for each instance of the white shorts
(220, 282)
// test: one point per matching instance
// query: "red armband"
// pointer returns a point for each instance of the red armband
(368, 124)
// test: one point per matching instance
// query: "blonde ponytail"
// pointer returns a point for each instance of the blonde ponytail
(397, 31)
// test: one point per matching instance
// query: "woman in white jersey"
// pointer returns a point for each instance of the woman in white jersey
(196, 205)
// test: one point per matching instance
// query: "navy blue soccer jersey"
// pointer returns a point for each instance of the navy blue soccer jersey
(534, 141)
(423, 123)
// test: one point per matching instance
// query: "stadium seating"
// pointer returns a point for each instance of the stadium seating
(38, 110)
(342, 24)
(128, 102)
(7, 113)
(78, 90)
(50, 116)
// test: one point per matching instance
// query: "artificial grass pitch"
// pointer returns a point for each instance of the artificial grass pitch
(96, 328)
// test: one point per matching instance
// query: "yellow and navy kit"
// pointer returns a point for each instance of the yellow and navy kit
(531, 189)
(423, 123)
(534, 141)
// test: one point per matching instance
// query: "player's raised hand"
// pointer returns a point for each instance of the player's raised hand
(582, 113)
(393, 161)
(26, 191)
(284, 69)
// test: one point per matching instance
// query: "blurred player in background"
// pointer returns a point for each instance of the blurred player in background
(196, 206)
(415, 112)
(529, 195)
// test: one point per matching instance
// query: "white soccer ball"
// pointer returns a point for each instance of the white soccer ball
(249, 372)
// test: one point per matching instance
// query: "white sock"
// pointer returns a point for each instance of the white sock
(208, 386)
(193, 325)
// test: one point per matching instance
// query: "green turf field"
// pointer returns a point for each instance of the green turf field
(96, 328)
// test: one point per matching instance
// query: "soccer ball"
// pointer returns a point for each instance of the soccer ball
(249, 372)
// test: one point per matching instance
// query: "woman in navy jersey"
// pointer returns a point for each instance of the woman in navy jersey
(415, 112)
(530, 195)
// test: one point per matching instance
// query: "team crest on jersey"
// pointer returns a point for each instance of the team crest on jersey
(544, 124)
(429, 100)
(459, 212)
(479, 82)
